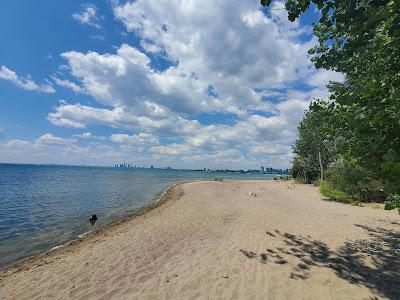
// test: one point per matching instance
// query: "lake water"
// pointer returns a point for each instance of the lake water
(45, 206)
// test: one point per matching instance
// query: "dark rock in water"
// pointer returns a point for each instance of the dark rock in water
(93, 219)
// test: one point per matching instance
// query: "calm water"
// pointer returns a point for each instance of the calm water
(45, 206)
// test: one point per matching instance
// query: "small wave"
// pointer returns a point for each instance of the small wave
(57, 247)
(82, 235)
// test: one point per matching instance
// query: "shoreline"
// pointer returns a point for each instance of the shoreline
(19, 264)
(159, 200)
(239, 239)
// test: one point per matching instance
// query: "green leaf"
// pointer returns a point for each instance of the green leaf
(266, 2)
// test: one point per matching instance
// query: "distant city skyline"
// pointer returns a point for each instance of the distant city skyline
(267, 170)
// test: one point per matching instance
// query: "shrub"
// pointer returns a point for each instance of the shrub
(317, 182)
(392, 202)
(356, 181)
(218, 179)
(328, 190)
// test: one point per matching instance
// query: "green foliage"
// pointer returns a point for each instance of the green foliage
(361, 39)
(317, 182)
(329, 191)
(317, 142)
(392, 202)
(220, 179)
(266, 2)
(355, 203)
(356, 181)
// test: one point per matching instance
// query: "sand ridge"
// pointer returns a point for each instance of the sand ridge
(225, 240)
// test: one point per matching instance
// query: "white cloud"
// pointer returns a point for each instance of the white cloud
(25, 83)
(243, 59)
(323, 77)
(254, 18)
(90, 136)
(69, 151)
(21, 151)
(16, 144)
(49, 139)
(140, 139)
(227, 61)
(270, 148)
(172, 149)
(158, 120)
(68, 84)
(85, 135)
(256, 55)
(126, 78)
(88, 16)
(151, 48)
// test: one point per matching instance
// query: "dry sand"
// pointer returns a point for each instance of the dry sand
(214, 240)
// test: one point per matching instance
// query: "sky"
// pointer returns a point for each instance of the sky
(180, 83)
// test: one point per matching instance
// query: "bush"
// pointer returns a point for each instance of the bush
(328, 190)
(352, 179)
(392, 202)
(317, 182)
(218, 179)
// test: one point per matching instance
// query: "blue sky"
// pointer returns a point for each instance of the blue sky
(189, 84)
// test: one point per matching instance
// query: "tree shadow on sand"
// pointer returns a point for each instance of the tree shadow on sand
(374, 262)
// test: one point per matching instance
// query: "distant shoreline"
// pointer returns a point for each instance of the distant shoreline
(228, 171)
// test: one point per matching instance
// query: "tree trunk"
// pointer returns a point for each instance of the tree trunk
(320, 166)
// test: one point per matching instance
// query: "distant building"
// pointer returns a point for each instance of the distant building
(262, 169)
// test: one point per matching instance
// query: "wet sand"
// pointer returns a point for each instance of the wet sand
(225, 240)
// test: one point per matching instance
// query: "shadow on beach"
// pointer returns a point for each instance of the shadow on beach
(374, 262)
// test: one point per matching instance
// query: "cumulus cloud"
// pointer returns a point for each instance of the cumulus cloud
(224, 157)
(68, 84)
(88, 16)
(89, 136)
(223, 58)
(85, 135)
(16, 144)
(126, 78)
(156, 120)
(243, 60)
(42, 150)
(323, 77)
(141, 139)
(25, 83)
(49, 139)
(269, 148)
(44, 144)
(69, 151)
(172, 149)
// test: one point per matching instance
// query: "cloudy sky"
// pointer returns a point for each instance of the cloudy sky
(181, 83)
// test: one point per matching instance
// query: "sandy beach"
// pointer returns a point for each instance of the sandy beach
(225, 240)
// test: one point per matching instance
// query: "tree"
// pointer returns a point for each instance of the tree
(361, 38)
(317, 141)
